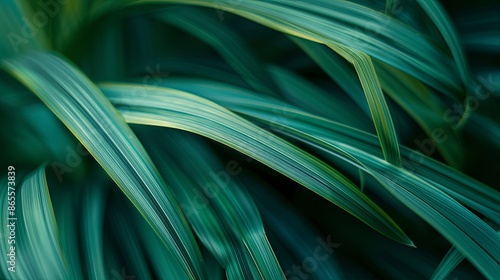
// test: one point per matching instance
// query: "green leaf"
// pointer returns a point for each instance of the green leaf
(444, 24)
(99, 127)
(315, 100)
(67, 215)
(180, 110)
(264, 109)
(235, 233)
(425, 108)
(337, 68)
(93, 208)
(472, 236)
(461, 227)
(413, 96)
(451, 261)
(35, 230)
(162, 260)
(126, 232)
(16, 36)
(331, 22)
(226, 42)
(376, 102)
(300, 237)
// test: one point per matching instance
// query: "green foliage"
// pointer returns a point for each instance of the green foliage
(201, 139)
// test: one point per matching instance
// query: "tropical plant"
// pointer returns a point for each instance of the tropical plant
(239, 139)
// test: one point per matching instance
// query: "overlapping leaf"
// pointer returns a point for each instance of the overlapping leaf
(330, 22)
(92, 119)
(235, 234)
(425, 196)
(176, 109)
(465, 189)
(36, 238)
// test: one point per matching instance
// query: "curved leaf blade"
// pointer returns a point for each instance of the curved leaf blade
(95, 122)
(176, 109)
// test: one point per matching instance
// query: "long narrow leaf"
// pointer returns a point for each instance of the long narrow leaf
(176, 109)
(94, 121)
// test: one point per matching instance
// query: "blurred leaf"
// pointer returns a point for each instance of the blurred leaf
(227, 43)
(236, 234)
(93, 230)
(330, 22)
